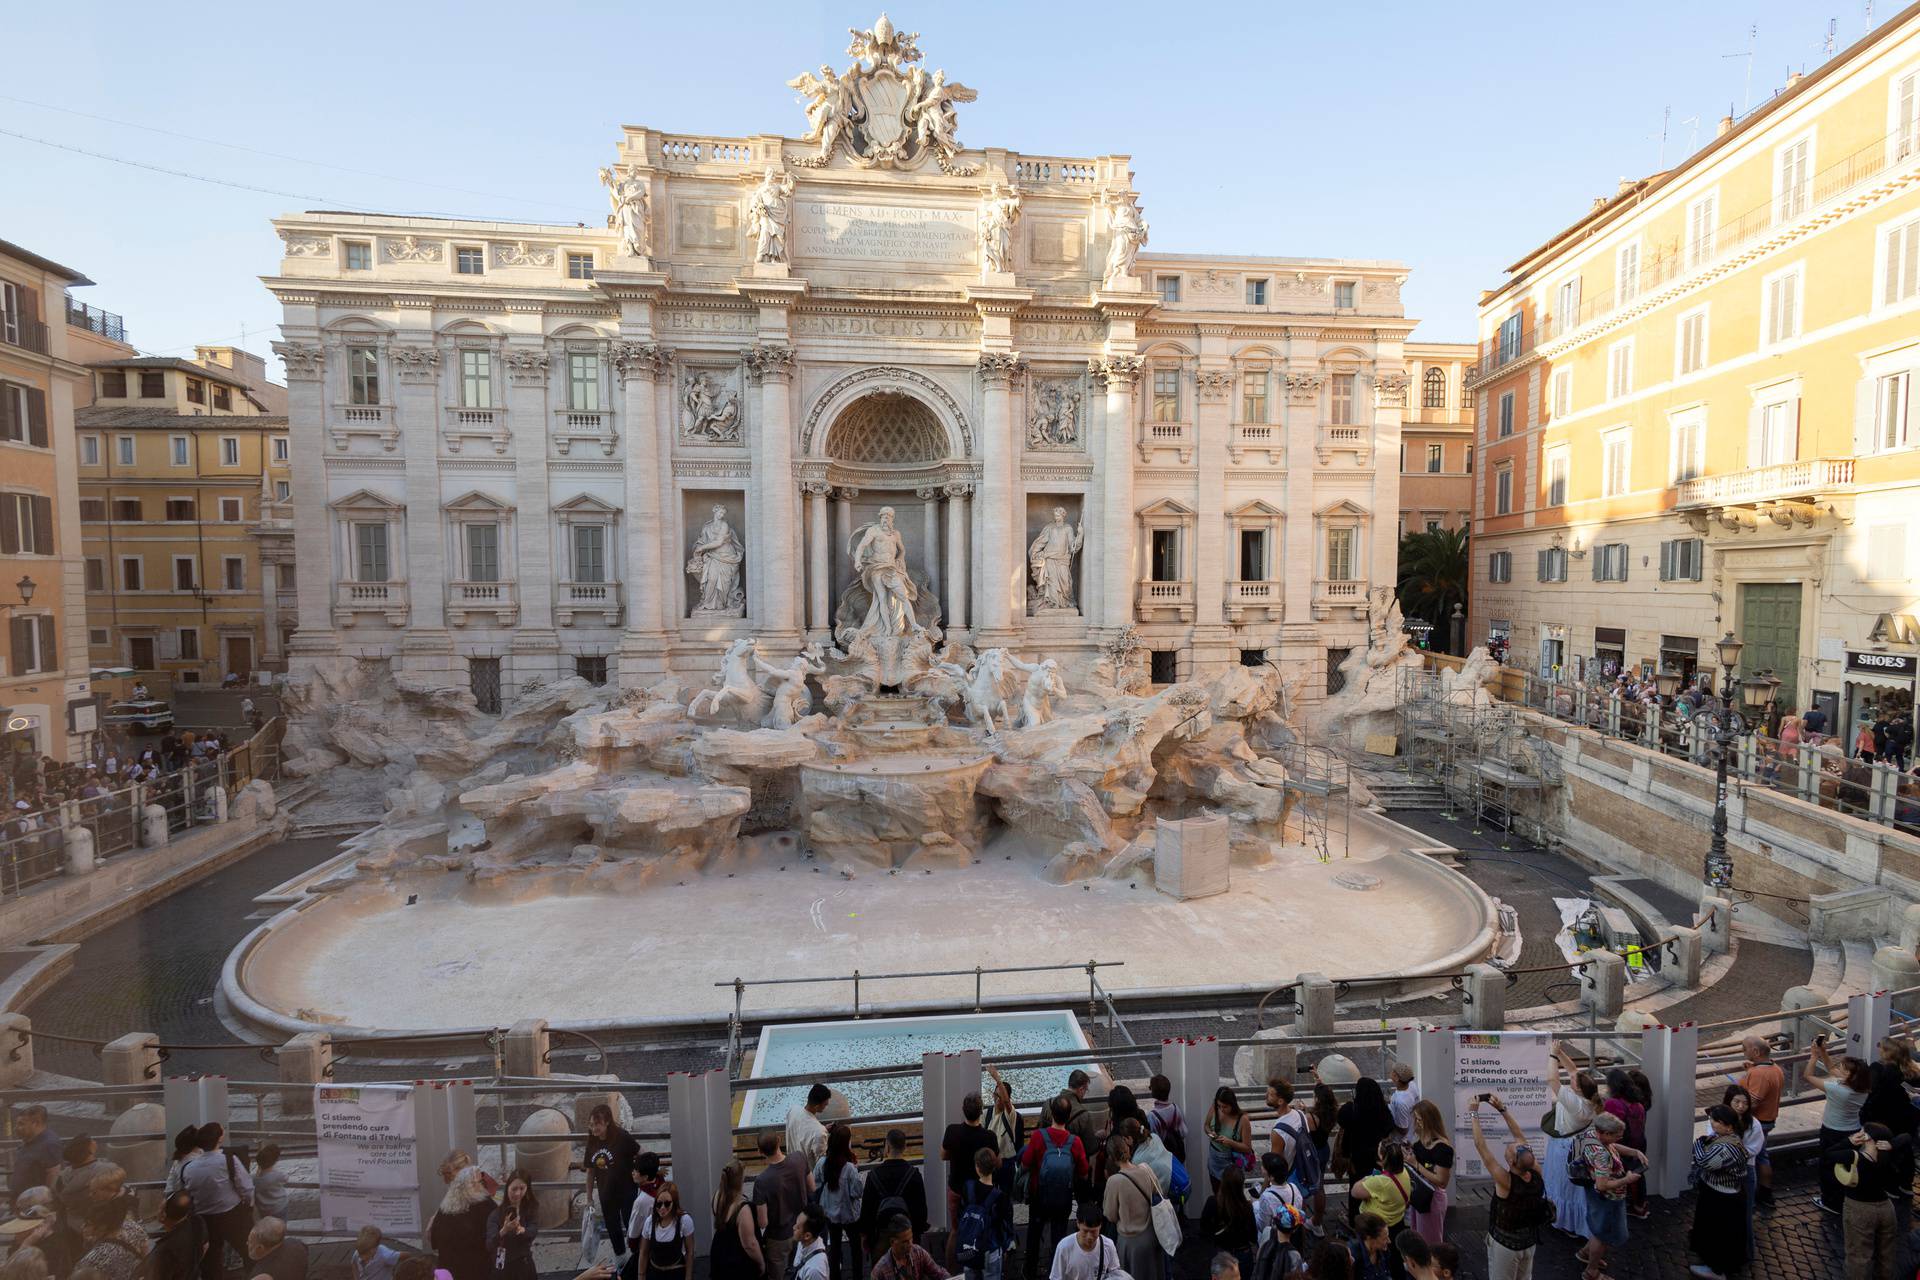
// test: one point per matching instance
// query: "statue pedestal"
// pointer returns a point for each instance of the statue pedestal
(770, 271)
(1053, 612)
(999, 280)
(701, 615)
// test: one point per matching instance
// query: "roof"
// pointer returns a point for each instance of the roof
(12, 250)
(212, 372)
(108, 415)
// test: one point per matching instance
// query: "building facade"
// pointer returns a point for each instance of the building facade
(44, 689)
(185, 511)
(525, 450)
(1436, 438)
(1694, 409)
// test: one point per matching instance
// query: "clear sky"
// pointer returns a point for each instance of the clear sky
(1448, 137)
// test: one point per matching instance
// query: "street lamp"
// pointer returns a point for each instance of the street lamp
(1754, 693)
(26, 586)
(1668, 683)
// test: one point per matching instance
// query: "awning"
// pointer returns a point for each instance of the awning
(1875, 678)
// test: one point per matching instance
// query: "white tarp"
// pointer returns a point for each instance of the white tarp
(368, 1175)
(1512, 1064)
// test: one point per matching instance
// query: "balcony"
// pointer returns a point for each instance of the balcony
(461, 423)
(1167, 435)
(497, 601)
(1787, 483)
(374, 420)
(1345, 438)
(1164, 601)
(1258, 599)
(351, 600)
(94, 320)
(591, 602)
(1257, 438)
(591, 426)
(29, 335)
(1338, 593)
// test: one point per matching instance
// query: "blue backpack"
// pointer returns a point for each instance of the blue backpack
(977, 1234)
(1056, 1172)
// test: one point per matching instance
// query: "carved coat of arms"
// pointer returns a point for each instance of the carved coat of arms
(886, 111)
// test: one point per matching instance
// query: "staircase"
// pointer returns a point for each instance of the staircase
(1402, 792)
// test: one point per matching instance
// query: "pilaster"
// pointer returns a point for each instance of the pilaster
(416, 415)
(999, 517)
(1115, 610)
(637, 365)
(535, 573)
(1214, 556)
(313, 535)
(775, 530)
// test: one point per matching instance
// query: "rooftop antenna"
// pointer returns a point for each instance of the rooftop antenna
(1753, 33)
(1833, 28)
(1666, 115)
(1693, 133)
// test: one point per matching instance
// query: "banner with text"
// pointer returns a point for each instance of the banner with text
(1513, 1064)
(368, 1176)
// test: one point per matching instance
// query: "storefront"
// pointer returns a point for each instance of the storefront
(1609, 651)
(1680, 654)
(1553, 652)
(1878, 685)
(20, 747)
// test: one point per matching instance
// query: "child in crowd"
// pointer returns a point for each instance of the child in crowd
(270, 1183)
(372, 1260)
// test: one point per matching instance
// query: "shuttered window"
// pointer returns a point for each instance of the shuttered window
(1902, 251)
(1681, 560)
(23, 414)
(370, 552)
(1610, 562)
(34, 646)
(26, 525)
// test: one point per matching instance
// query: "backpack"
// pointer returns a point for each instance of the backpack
(1579, 1172)
(1056, 1172)
(1277, 1259)
(976, 1235)
(892, 1201)
(1170, 1133)
(1306, 1172)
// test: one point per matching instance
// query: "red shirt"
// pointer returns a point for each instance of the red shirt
(1037, 1147)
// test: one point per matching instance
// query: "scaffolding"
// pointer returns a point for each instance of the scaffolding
(1493, 772)
(1320, 809)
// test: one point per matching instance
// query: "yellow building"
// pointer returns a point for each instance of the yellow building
(1436, 438)
(185, 508)
(1695, 407)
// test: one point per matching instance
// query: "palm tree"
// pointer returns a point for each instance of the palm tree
(1433, 578)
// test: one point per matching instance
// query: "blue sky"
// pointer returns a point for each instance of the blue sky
(1450, 138)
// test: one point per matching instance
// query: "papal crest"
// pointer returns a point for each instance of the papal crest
(884, 110)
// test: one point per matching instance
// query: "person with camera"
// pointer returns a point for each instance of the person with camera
(1519, 1207)
(1846, 1082)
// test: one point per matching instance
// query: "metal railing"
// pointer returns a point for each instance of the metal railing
(94, 320)
(29, 335)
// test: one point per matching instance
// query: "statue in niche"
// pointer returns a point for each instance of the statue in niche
(715, 562)
(880, 561)
(1127, 232)
(712, 410)
(768, 211)
(1053, 421)
(1051, 560)
(631, 216)
(999, 210)
(791, 700)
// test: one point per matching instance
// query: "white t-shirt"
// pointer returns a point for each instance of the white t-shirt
(661, 1232)
(1292, 1127)
(1071, 1262)
(642, 1210)
(806, 1136)
(1401, 1104)
(1571, 1110)
(1754, 1140)
(1267, 1207)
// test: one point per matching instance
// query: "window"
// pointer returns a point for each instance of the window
(476, 379)
(123, 450)
(1887, 553)
(233, 572)
(1615, 463)
(34, 645)
(1433, 388)
(132, 573)
(97, 636)
(89, 451)
(189, 641)
(1255, 658)
(11, 310)
(1906, 115)
(1779, 433)
(289, 577)
(184, 577)
(1163, 666)
(229, 451)
(1701, 225)
(363, 375)
(1890, 398)
(282, 490)
(483, 552)
(1166, 395)
(1901, 248)
(1620, 369)
(359, 255)
(1626, 274)
(1510, 337)
(93, 508)
(589, 553)
(96, 574)
(230, 510)
(1503, 491)
(1551, 565)
(1681, 559)
(1168, 288)
(26, 525)
(1690, 347)
(1165, 551)
(370, 553)
(469, 260)
(1688, 445)
(127, 510)
(177, 451)
(1340, 553)
(23, 414)
(222, 397)
(583, 381)
(1469, 453)
(1253, 555)
(589, 666)
(196, 391)
(1256, 293)
(1343, 294)
(1781, 307)
(1567, 305)
(113, 384)
(1610, 562)
(580, 267)
(1253, 396)
(1791, 173)
(1500, 566)
(1433, 524)
(1557, 462)
(1436, 455)
(282, 449)
(153, 385)
(1561, 393)
(1342, 393)
(1506, 413)
(180, 509)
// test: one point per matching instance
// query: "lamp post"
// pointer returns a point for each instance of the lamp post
(1755, 693)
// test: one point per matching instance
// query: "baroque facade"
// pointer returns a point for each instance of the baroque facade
(1695, 411)
(523, 450)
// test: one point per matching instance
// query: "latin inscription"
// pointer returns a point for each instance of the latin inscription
(710, 322)
(887, 233)
(885, 327)
(1048, 331)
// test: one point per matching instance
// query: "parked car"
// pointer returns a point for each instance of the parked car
(142, 717)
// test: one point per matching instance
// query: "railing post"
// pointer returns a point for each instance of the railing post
(1880, 802)
(1806, 766)
(976, 988)
(856, 993)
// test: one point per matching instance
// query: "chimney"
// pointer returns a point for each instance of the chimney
(1724, 128)
(1626, 185)
(1794, 78)
(1599, 202)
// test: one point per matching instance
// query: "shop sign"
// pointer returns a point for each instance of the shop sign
(21, 724)
(1894, 628)
(1883, 664)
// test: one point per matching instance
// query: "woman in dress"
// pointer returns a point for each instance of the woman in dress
(1576, 1100)
(837, 1182)
(1229, 1136)
(1719, 1234)
(1846, 1082)
(512, 1229)
(458, 1232)
(736, 1245)
(666, 1239)
(1431, 1161)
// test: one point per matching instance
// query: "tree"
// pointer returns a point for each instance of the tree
(1433, 578)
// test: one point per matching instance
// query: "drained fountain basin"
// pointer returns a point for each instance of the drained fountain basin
(820, 1048)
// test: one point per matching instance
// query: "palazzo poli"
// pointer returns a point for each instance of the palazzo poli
(523, 451)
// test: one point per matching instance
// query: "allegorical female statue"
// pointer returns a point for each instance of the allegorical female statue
(880, 561)
(714, 561)
(631, 215)
(1051, 560)
(768, 211)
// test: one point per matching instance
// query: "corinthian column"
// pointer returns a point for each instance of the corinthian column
(817, 561)
(1118, 569)
(775, 530)
(999, 569)
(957, 526)
(638, 365)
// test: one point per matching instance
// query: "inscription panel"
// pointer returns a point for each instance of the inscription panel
(679, 321)
(923, 327)
(887, 233)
